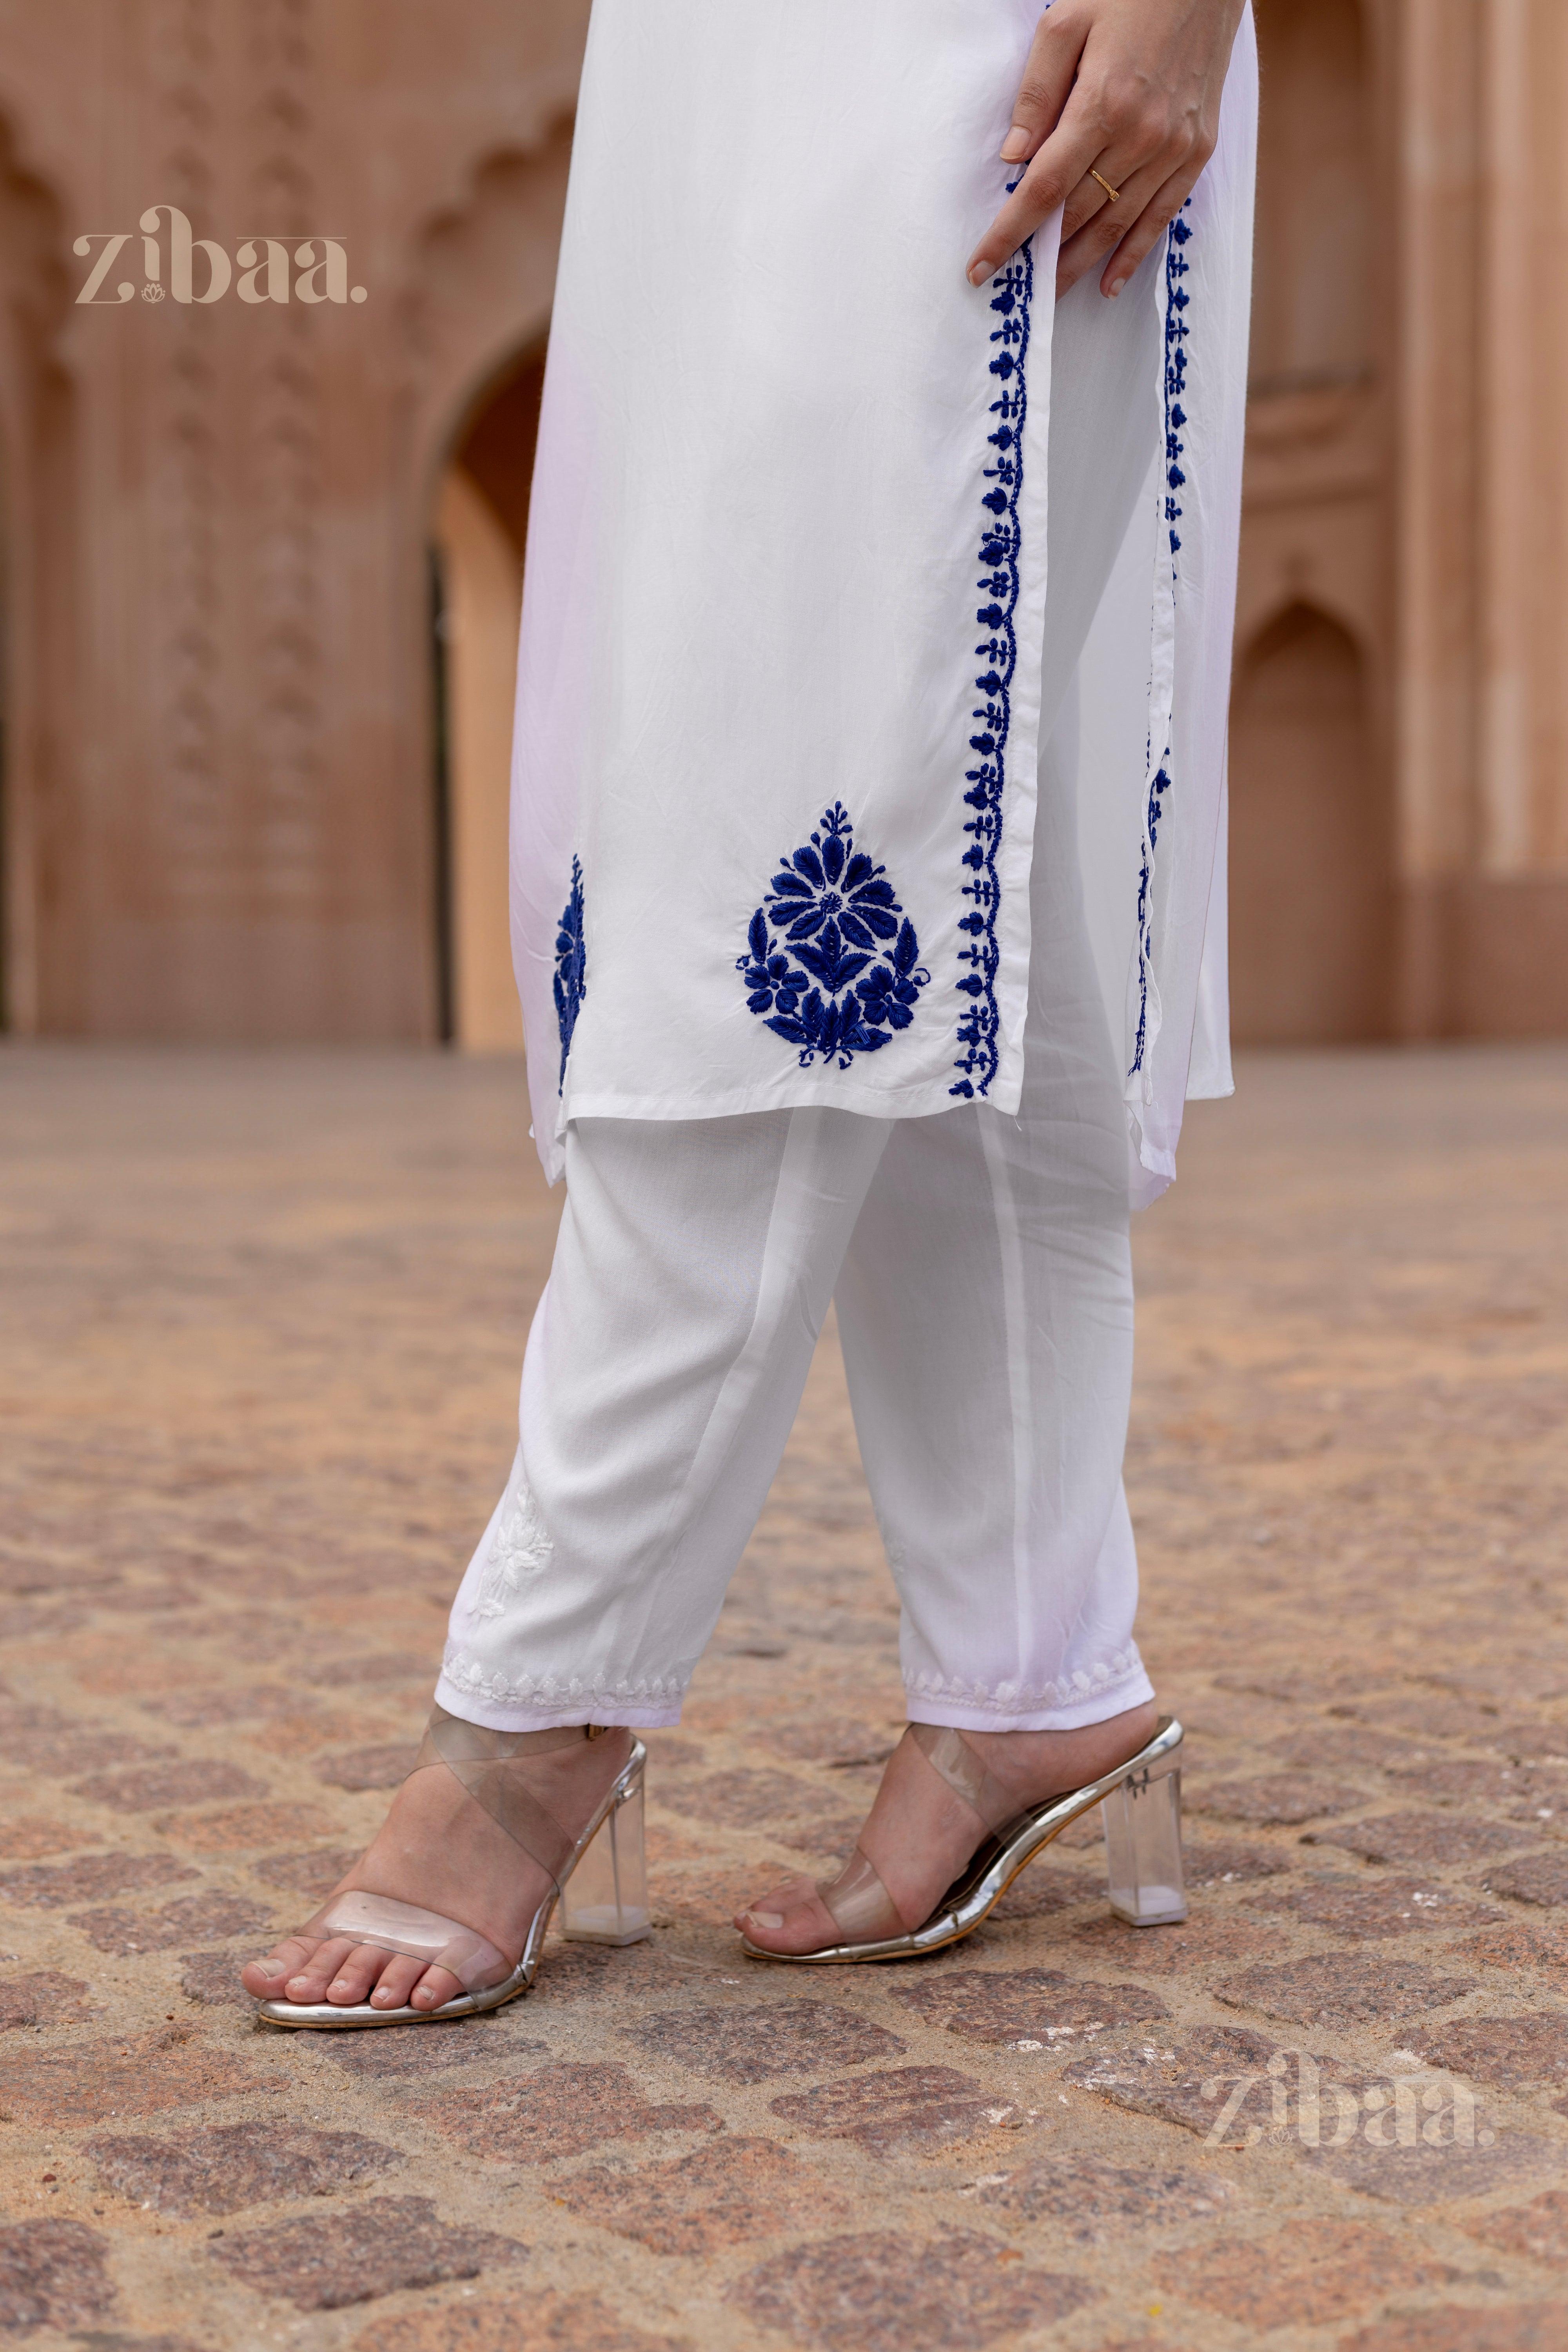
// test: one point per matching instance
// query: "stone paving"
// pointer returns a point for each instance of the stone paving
(263, 1319)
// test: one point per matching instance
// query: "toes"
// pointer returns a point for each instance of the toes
(396, 1981)
(346, 1974)
(360, 1968)
(772, 1908)
(311, 1979)
(436, 1986)
(792, 1918)
(266, 1978)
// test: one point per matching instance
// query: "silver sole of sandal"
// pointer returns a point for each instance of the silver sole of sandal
(318, 2015)
(1154, 1773)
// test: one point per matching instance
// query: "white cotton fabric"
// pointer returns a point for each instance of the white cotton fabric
(981, 1266)
(759, 545)
(984, 1310)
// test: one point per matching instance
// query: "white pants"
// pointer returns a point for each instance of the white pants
(981, 1269)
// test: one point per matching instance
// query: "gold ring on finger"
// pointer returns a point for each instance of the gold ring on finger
(1114, 193)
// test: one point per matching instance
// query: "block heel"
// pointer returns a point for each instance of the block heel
(1142, 1823)
(604, 1900)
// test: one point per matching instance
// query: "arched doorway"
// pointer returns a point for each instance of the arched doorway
(480, 534)
(43, 921)
(1311, 887)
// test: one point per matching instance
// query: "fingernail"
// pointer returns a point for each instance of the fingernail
(1116, 286)
(979, 271)
(1015, 145)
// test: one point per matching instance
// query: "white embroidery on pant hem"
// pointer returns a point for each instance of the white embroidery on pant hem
(521, 1547)
(1016, 1698)
(466, 1673)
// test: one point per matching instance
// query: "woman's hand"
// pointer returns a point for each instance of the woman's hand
(1129, 89)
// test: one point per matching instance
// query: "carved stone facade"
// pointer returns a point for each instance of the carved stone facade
(1399, 839)
(259, 557)
(218, 515)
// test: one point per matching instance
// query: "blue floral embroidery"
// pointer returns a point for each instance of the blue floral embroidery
(830, 966)
(571, 968)
(1178, 301)
(1000, 547)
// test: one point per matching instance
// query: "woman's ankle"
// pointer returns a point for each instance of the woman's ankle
(1071, 1755)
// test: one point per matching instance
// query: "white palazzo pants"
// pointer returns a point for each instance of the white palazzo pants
(981, 1269)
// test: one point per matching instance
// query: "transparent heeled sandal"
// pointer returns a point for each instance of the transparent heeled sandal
(599, 1877)
(1141, 1802)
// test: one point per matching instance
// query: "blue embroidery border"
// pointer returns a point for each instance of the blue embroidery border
(1001, 546)
(1178, 301)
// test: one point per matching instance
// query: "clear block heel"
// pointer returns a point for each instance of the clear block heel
(604, 1900)
(1142, 1823)
(1142, 1801)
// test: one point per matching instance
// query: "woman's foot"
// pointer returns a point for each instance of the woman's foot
(439, 1849)
(919, 1831)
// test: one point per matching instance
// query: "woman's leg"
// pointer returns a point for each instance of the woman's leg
(692, 1271)
(985, 1307)
(985, 1312)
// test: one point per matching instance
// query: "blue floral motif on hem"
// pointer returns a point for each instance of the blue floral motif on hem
(833, 962)
(571, 968)
(1001, 545)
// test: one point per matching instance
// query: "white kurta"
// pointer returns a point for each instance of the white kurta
(778, 717)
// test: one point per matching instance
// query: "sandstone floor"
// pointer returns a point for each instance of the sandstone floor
(262, 1319)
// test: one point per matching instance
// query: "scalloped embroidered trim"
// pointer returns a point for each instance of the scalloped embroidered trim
(466, 1673)
(1001, 544)
(1017, 1698)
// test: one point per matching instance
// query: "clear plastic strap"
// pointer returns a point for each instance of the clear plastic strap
(949, 1754)
(482, 1759)
(424, 1936)
(859, 1904)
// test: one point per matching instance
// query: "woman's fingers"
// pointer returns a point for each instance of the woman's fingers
(1130, 87)
(1048, 79)
(1127, 245)
(1088, 198)
(1111, 195)
(1090, 231)
(1064, 160)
